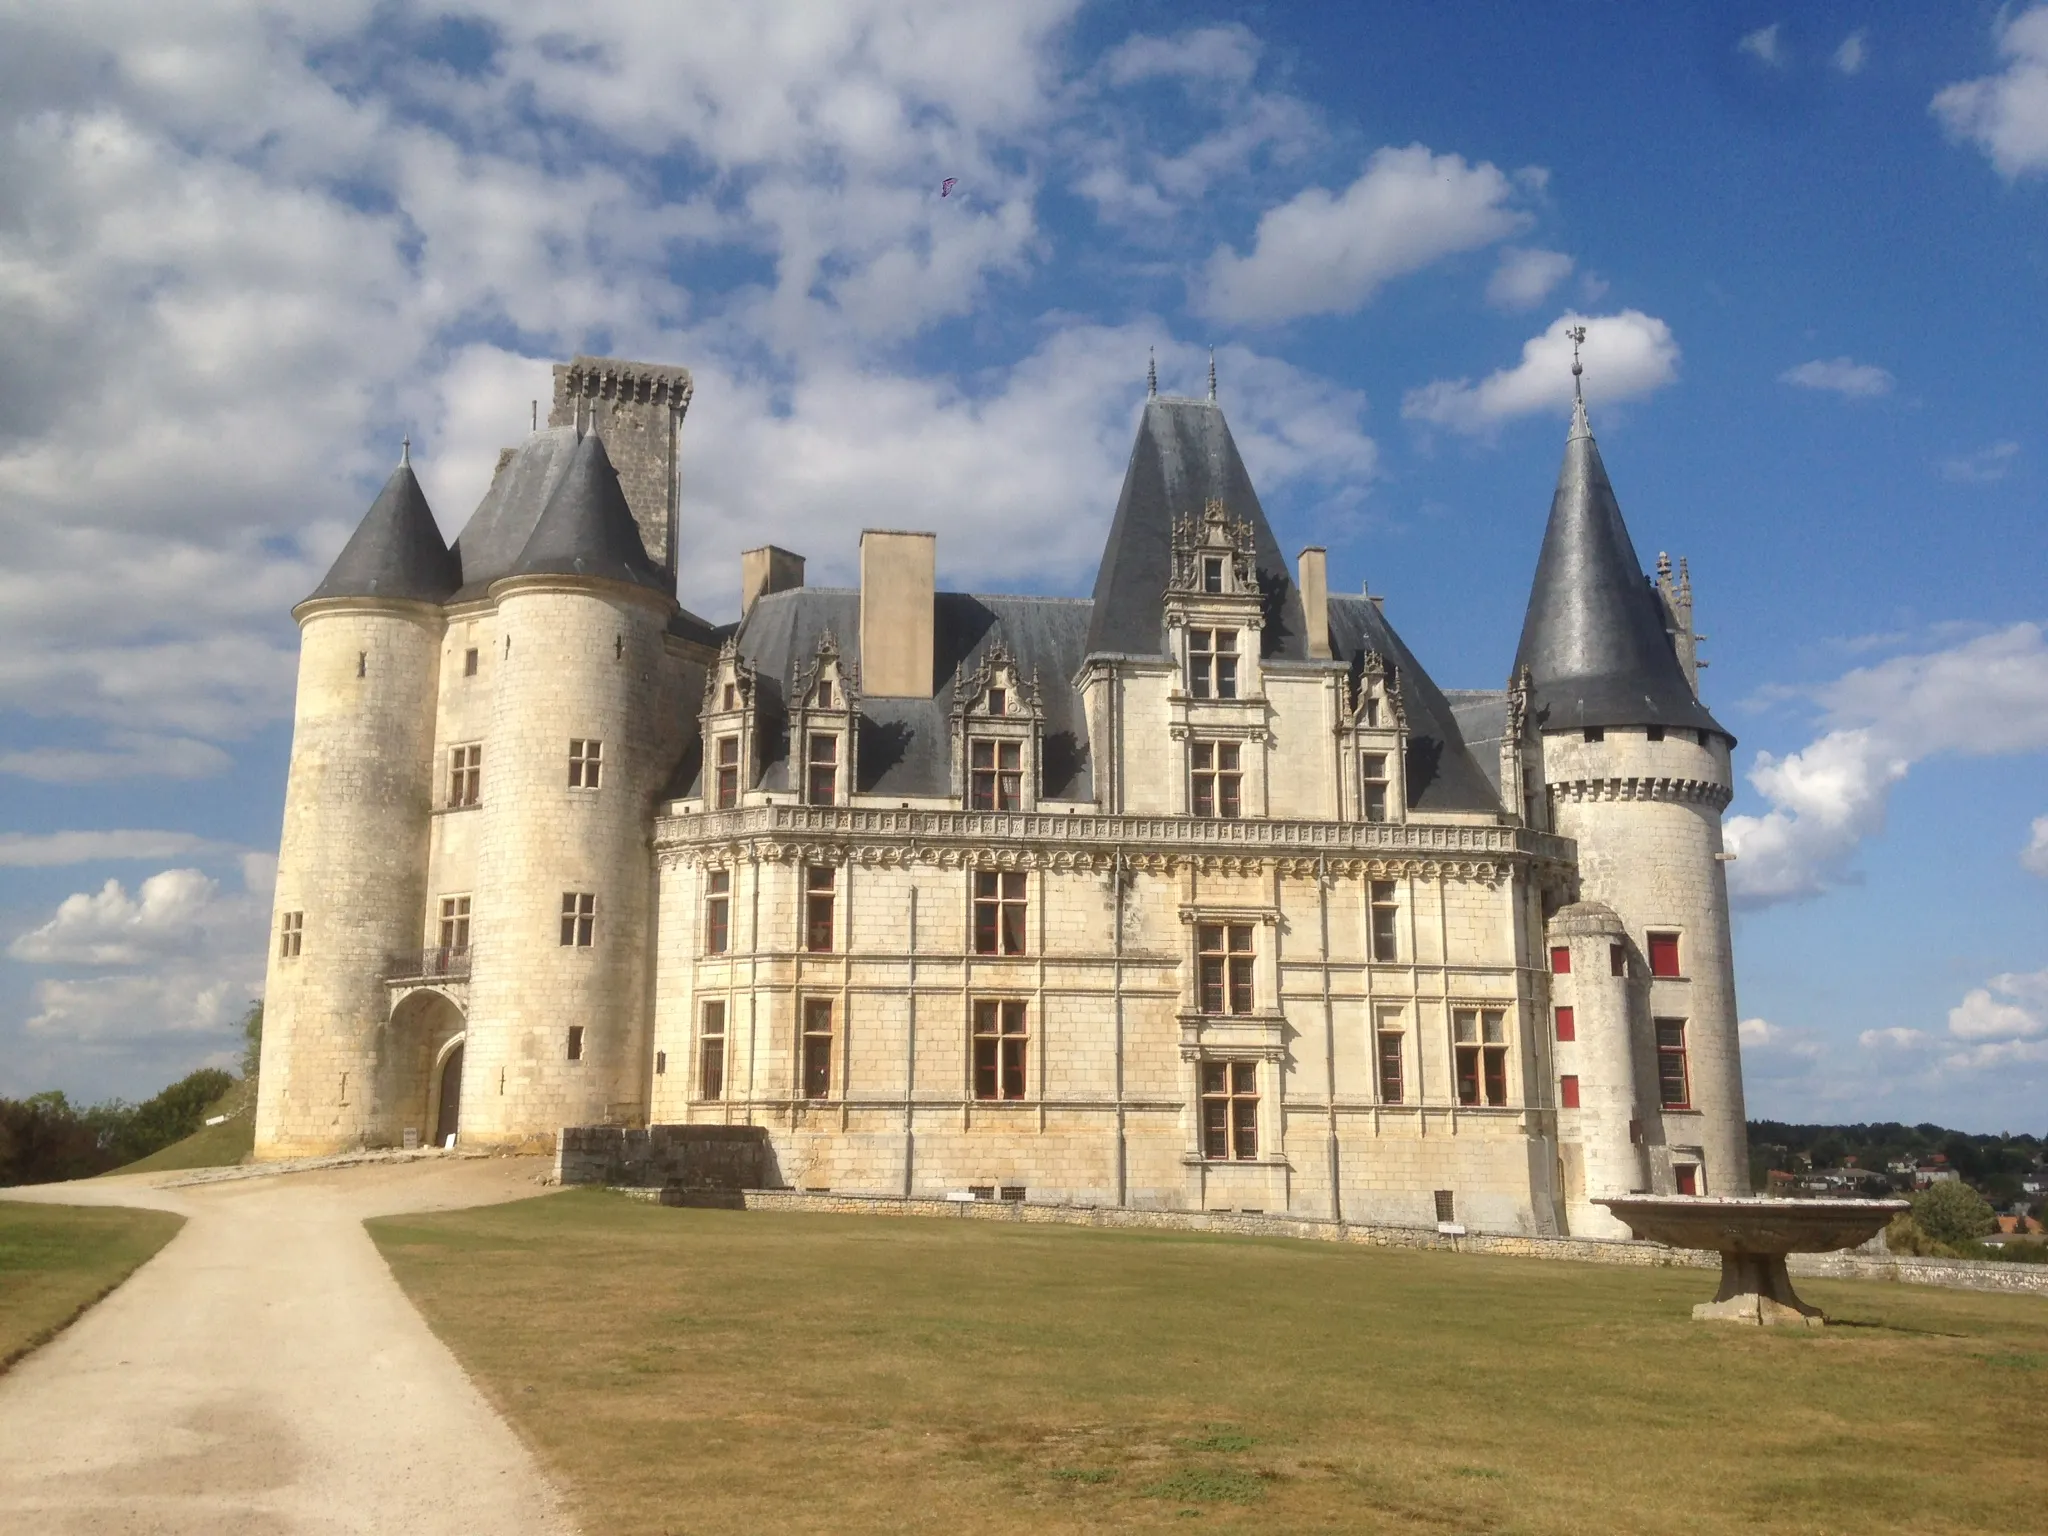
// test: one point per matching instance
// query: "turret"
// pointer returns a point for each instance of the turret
(352, 859)
(581, 737)
(1638, 772)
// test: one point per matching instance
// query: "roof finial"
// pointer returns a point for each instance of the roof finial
(1151, 373)
(405, 450)
(1212, 374)
(1577, 334)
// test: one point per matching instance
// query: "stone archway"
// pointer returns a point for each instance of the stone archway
(445, 1098)
(425, 1032)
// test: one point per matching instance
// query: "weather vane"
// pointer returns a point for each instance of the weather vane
(1577, 334)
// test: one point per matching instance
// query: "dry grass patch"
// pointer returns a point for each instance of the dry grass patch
(57, 1260)
(714, 1371)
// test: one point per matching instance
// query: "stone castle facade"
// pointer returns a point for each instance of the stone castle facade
(1198, 894)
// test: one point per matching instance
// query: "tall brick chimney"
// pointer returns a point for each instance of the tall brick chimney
(637, 408)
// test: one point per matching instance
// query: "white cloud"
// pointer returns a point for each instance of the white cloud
(1329, 253)
(1895, 1038)
(179, 1001)
(1765, 45)
(1984, 467)
(1843, 375)
(24, 850)
(1986, 696)
(108, 927)
(126, 755)
(1854, 53)
(2034, 857)
(1227, 53)
(1626, 356)
(2006, 114)
(2012, 1006)
(1763, 1035)
(1525, 277)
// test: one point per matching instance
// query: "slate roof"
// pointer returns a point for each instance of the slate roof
(490, 543)
(1183, 458)
(396, 551)
(586, 528)
(905, 745)
(1595, 639)
(1443, 773)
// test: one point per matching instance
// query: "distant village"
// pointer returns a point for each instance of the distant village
(1814, 1162)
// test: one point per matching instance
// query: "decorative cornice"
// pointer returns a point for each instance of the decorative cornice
(1672, 791)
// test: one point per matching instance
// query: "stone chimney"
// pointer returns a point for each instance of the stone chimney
(637, 408)
(1313, 576)
(768, 569)
(898, 585)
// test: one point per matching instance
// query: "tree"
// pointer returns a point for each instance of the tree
(1951, 1212)
(252, 1035)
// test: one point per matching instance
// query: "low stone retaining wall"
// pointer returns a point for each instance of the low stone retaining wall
(1967, 1274)
(725, 1158)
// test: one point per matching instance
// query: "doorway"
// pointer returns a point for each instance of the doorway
(448, 1117)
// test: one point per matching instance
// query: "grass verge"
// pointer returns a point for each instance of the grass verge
(57, 1260)
(211, 1146)
(715, 1371)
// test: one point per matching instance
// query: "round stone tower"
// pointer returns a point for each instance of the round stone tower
(352, 860)
(575, 754)
(1638, 773)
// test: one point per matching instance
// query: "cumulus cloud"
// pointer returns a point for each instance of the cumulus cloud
(1329, 253)
(1626, 356)
(1842, 375)
(2002, 1024)
(1763, 1035)
(2034, 857)
(1984, 467)
(1986, 696)
(2006, 115)
(1226, 53)
(1525, 277)
(1766, 46)
(1854, 53)
(108, 927)
(1895, 1038)
(25, 850)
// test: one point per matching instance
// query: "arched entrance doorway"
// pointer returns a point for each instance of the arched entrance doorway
(448, 1115)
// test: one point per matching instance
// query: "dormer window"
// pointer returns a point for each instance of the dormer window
(732, 696)
(1369, 714)
(823, 778)
(1212, 573)
(825, 694)
(1373, 776)
(1212, 663)
(728, 772)
(996, 777)
(999, 701)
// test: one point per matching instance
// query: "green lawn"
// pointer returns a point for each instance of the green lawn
(715, 1371)
(211, 1146)
(57, 1260)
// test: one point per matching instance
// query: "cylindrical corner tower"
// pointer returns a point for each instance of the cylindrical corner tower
(1599, 1126)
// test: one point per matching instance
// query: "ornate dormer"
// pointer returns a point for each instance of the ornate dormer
(1214, 609)
(1375, 743)
(998, 726)
(1214, 555)
(730, 719)
(824, 726)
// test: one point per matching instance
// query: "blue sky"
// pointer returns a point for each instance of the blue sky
(242, 250)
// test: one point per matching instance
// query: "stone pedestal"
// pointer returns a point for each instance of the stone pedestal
(1755, 1288)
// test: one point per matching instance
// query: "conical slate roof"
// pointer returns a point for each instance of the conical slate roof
(396, 551)
(586, 528)
(1595, 639)
(1183, 459)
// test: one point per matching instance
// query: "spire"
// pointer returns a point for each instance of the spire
(1212, 375)
(397, 550)
(1595, 638)
(586, 528)
(1579, 424)
(405, 449)
(1151, 373)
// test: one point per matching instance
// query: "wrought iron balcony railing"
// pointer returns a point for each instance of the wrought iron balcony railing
(428, 965)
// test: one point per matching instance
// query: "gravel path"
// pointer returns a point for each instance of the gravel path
(265, 1374)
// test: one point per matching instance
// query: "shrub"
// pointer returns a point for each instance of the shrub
(1952, 1212)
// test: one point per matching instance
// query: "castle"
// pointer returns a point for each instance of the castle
(1198, 894)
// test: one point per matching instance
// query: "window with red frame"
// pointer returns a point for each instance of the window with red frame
(1568, 1092)
(1664, 955)
(1561, 960)
(1567, 1028)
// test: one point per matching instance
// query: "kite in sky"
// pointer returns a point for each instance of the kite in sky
(946, 187)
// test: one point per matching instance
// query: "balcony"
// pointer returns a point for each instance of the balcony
(428, 965)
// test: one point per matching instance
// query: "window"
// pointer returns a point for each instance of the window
(1596, 733)
(1688, 1177)
(999, 701)
(999, 1045)
(1561, 960)
(711, 1052)
(818, 887)
(454, 924)
(1217, 781)
(661, 1063)
(1446, 1206)
(362, 663)
(1224, 967)
(465, 774)
(1702, 735)
(817, 1048)
(999, 912)
(575, 1042)
(730, 698)
(728, 767)
(1371, 719)
(1674, 1086)
(823, 784)
(1664, 955)
(1212, 573)
(1212, 663)
(469, 662)
(825, 694)
(1568, 1092)
(291, 932)
(1230, 1109)
(1373, 770)
(717, 911)
(1480, 1036)
(1655, 733)
(1567, 1026)
(586, 762)
(579, 918)
(1386, 922)
(1390, 1063)
(995, 776)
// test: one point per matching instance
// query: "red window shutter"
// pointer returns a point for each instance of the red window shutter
(1561, 961)
(1664, 955)
(1568, 1092)
(1688, 1179)
(1566, 1028)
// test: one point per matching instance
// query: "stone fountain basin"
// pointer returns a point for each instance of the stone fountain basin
(1753, 1236)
